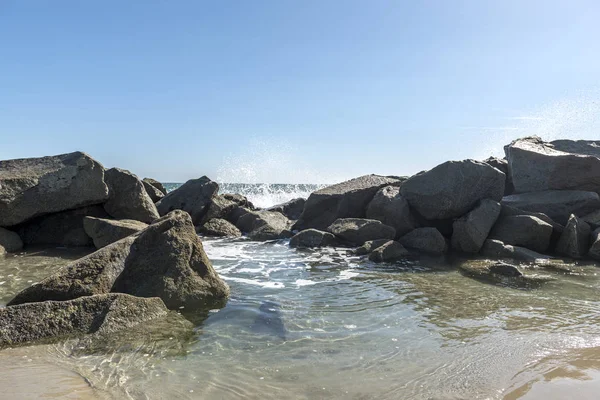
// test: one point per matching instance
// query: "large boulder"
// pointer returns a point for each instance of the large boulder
(156, 184)
(356, 231)
(240, 200)
(426, 240)
(523, 230)
(538, 166)
(391, 208)
(64, 228)
(165, 260)
(556, 204)
(106, 231)
(313, 238)
(194, 196)
(154, 192)
(264, 225)
(219, 207)
(388, 252)
(31, 187)
(595, 248)
(291, 209)
(575, 240)
(497, 249)
(128, 198)
(582, 147)
(501, 273)
(344, 200)
(10, 240)
(219, 228)
(502, 165)
(471, 230)
(453, 188)
(593, 219)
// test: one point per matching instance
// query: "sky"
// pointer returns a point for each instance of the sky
(293, 91)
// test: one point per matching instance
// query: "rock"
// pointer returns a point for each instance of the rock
(106, 231)
(391, 208)
(237, 213)
(595, 249)
(220, 228)
(128, 198)
(264, 225)
(388, 252)
(154, 193)
(369, 246)
(313, 238)
(523, 230)
(498, 268)
(2, 251)
(194, 196)
(557, 229)
(556, 204)
(453, 188)
(582, 147)
(496, 249)
(501, 273)
(358, 230)
(575, 240)
(10, 241)
(31, 187)
(240, 200)
(427, 240)
(291, 209)
(64, 228)
(156, 184)
(593, 219)
(55, 320)
(219, 207)
(538, 166)
(501, 164)
(344, 200)
(472, 229)
(165, 260)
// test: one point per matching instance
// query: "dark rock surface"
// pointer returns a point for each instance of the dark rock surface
(369, 246)
(291, 209)
(194, 197)
(154, 192)
(391, 208)
(595, 248)
(10, 241)
(357, 231)
(106, 231)
(128, 198)
(497, 249)
(264, 225)
(313, 238)
(156, 184)
(427, 240)
(523, 230)
(575, 240)
(471, 230)
(219, 228)
(388, 252)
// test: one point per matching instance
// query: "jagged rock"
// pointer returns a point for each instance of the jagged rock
(156, 184)
(523, 230)
(264, 225)
(313, 238)
(106, 231)
(10, 241)
(194, 196)
(165, 260)
(538, 166)
(154, 192)
(453, 188)
(64, 228)
(220, 228)
(595, 249)
(472, 229)
(291, 209)
(219, 207)
(359, 230)
(556, 204)
(237, 213)
(497, 249)
(54, 320)
(427, 240)
(240, 200)
(128, 198)
(344, 200)
(502, 165)
(31, 187)
(575, 240)
(369, 246)
(388, 252)
(391, 208)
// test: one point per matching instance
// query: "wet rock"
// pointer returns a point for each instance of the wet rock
(523, 230)
(128, 198)
(595, 249)
(391, 208)
(220, 228)
(264, 225)
(154, 192)
(32, 187)
(538, 166)
(2, 251)
(497, 249)
(313, 238)
(10, 241)
(501, 273)
(575, 240)
(344, 200)
(502, 165)
(426, 240)
(164, 260)
(156, 184)
(240, 200)
(453, 188)
(106, 231)
(194, 196)
(237, 213)
(556, 204)
(359, 230)
(472, 229)
(219, 207)
(388, 252)
(369, 246)
(291, 209)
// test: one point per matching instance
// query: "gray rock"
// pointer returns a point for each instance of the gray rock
(359, 230)
(557, 229)
(501, 273)
(595, 248)
(453, 188)
(369, 246)
(2, 251)
(575, 240)
(538, 166)
(32, 187)
(427, 240)
(582, 147)
(388, 252)
(165, 260)
(523, 230)
(156, 184)
(128, 198)
(106, 231)
(593, 218)
(10, 241)
(154, 193)
(219, 207)
(264, 225)
(194, 196)
(391, 208)
(471, 230)
(237, 213)
(240, 200)
(497, 249)
(220, 228)
(344, 200)
(556, 204)
(313, 238)
(291, 209)
(502, 165)
(64, 228)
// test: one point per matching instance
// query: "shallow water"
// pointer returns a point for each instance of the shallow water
(322, 324)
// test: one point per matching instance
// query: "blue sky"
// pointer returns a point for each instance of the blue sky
(292, 91)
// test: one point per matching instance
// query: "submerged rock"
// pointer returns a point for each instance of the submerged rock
(313, 238)
(156, 184)
(155, 193)
(523, 230)
(128, 198)
(291, 209)
(501, 273)
(106, 231)
(471, 230)
(10, 241)
(427, 240)
(194, 196)
(391, 208)
(497, 249)
(359, 230)
(388, 252)
(369, 246)
(220, 228)
(575, 240)
(32, 187)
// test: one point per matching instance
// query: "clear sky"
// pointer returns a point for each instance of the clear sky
(282, 90)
